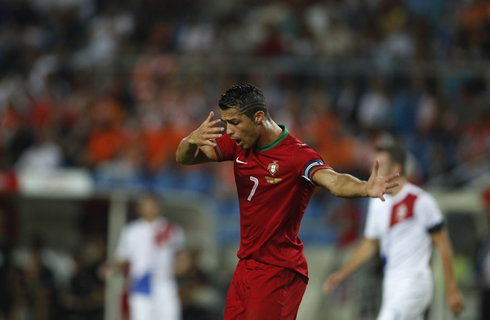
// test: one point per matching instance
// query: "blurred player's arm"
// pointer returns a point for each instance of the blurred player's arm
(364, 251)
(454, 298)
(197, 147)
(109, 269)
(345, 185)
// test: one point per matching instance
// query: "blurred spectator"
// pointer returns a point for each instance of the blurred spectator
(105, 34)
(105, 142)
(21, 138)
(90, 70)
(338, 41)
(35, 288)
(474, 22)
(6, 272)
(200, 298)
(45, 154)
(374, 106)
(84, 297)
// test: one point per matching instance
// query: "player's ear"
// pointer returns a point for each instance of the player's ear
(259, 117)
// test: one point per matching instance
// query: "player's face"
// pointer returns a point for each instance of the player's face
(240, 128)
(148, 208)
(386, 166)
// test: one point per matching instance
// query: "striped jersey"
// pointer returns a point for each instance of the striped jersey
(403, 224)
(274, 185)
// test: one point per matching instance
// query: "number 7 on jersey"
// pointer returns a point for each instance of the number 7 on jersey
(256, 184)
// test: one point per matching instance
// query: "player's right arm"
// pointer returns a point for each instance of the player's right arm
(197, 147)
(364, 251)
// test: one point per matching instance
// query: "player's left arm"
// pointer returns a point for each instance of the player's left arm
(345, 185)
(454, 298)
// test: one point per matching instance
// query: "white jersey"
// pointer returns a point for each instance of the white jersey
(403, 224)
(150, 249)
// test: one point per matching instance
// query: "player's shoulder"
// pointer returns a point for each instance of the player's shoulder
(417, 191)
(424, 199)
(134, 225)
(295, 144)
(171, 225)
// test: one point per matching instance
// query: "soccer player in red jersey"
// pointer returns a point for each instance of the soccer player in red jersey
(275, 174)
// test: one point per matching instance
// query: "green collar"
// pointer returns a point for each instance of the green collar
(275, 142)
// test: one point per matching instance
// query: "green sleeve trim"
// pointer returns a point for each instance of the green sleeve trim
(219, 150)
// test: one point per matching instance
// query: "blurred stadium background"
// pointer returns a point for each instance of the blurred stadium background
(95, 96)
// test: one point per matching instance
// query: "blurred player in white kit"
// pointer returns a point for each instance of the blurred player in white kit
(150, 245)
(403, 228)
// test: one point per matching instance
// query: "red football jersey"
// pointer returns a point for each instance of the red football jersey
(274, 186)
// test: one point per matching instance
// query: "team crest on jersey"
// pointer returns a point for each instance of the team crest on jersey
(273, 168)
(403, 210)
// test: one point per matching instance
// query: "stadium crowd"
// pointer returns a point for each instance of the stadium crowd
(104, 86)
(113, 86)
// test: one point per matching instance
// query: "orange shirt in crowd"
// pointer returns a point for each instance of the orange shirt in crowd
(335, 146)
(161, 145)
(108, 110)
(105, 143)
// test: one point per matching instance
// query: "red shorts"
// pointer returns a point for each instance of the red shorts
(261, 291)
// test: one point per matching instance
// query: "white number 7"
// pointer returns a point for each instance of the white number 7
(256, 183)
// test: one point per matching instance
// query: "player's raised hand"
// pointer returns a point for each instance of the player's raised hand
(377, 185)
(455, 302)
(203, 135)
(332, 281)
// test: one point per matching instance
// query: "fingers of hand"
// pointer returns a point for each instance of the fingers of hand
(211, 133)
(392, 176)
(460, 306)
(208, 136)
(376, 167)
(215, 129)
(457, 306)
(209, 143)
(391, 185)
(210, 117)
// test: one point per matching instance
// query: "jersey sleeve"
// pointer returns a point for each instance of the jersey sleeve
(309, 162)
(371, 230)
(429, 213)
(122, 250)
(225, 148)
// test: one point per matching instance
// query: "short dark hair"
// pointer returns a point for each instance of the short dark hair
(246, 98)
(396, 153)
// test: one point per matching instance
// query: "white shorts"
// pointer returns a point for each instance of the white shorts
(161, 305)
(408, 298)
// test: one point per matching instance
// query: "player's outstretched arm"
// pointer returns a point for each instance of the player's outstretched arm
(364, 251)
(345, 185)
(454, 298)
(197, 147)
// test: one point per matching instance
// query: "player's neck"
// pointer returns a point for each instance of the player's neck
(150, 219)
(270, 133)
(401, 183)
